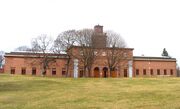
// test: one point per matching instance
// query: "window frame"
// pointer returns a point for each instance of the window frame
(137, 71)
(165, 72)
(12, 70)
(144, 72)
(158, 72)
(53, 71)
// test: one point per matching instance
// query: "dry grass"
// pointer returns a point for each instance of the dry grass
(25, 92)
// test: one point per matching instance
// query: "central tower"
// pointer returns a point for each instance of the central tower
(99, 37)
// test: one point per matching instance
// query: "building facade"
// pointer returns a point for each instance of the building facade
(31, 64)
(154, 66)
(99, 62)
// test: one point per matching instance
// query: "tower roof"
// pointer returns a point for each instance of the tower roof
(98, 29)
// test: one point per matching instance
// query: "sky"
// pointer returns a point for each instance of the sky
(148, 26)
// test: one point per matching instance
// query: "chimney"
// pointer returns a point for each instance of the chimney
(98, 29)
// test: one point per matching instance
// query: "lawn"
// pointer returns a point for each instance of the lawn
(26, 92)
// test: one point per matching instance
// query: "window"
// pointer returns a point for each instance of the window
(165, 72)
(53, 71)
(137, 71)
(63, 72)
(171, 71)
(23, 71)
(158, 71)
(144, 71)
(12, 70)
(151, 71)
(34, 71)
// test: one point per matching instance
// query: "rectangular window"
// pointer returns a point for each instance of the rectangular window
(63, 71)
(53, 71)
(137, 71)
(23, 71)
(171, 71)
(158, 71)
(144, 71)
(12, 70)
(34, 71)
(165, 72)
(151, 71)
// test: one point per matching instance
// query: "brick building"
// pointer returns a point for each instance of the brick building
(154, 66)
(127, 65)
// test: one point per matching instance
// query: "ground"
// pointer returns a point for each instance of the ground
(26, 92)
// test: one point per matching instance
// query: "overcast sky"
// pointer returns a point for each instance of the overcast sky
(148, 26)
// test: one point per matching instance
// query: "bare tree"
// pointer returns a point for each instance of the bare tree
(87, 50)
(63, 42)
(115, 52)
(115, 40)
(42, 46)
(81, 38)
(23, 48)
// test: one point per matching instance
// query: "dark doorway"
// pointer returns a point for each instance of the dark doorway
(23, 71)
(96, 72)
(105, 72)
(125, 73)
(81, 73)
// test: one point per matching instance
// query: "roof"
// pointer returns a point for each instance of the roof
(103, 48)
(149, 58)
(32, 55)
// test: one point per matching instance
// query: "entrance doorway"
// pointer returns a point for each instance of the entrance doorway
(96, 72)
(81, 73)
(125, 73)
(105, 72)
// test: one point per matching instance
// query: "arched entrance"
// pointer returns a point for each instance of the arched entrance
(105, 72)
(114, 72)
(96, 72)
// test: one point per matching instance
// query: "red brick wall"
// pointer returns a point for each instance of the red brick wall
(161, 65)
(101, 61)
(19, 63)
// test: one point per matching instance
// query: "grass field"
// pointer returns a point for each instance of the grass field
(25, 92)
